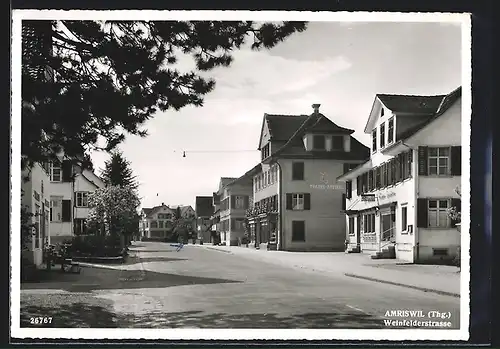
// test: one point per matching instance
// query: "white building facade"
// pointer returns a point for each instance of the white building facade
(35, 198)
(398, 200)
(69, 191)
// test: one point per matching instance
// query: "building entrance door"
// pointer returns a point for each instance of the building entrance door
(387, 227)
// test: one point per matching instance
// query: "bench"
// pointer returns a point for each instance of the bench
(72, 266)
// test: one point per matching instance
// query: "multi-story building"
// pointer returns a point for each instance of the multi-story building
(296, 196)
(69, 189)
(397, 201)
(157, 222)
(235, 199)
(204, 211)
(215, 219)
(35, 198)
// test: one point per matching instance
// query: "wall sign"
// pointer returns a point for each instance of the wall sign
(368, 197)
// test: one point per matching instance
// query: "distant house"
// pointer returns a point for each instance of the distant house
(204, 210)
(397, 201)
(295, 193)
(157, 222)
(187, 213)
(235, 198)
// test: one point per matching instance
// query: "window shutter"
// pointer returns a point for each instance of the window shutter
(343, 202)
(307, 201)
(74, 200)
(457, 203)
(348, 189)
(422, 161)
(456, 161)
(422, 214)
(233, 201)
(358, 186)
(246, 201)
(66, 171)
(298, 171)
(66, 210)
(289, 201)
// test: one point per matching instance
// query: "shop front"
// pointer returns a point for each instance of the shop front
(262, 222)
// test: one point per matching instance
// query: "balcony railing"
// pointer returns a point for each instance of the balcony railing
(263, 207)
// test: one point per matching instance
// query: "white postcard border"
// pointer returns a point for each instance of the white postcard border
(239, 334)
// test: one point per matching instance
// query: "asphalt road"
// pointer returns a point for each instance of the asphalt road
(204, 288)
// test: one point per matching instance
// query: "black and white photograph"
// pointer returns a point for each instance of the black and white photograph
(238, 175)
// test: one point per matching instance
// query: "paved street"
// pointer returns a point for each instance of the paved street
(201, 287)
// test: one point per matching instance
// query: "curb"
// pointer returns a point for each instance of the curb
(218, 249)
(424, 289)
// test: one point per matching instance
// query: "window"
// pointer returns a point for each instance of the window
(81, 199)
(160, 224)
(337, 142)
(298, 171)
(238, 224)
(438, 215)
(297, 201)
(404, 218)
(56, 210)
(265, 179)
(381, 112)
(298, 231)
(369, 223)
(37, 213)
(318, 142)
(390, 131)
(374, 140)
(439, 161)
(154, 224)
(351, 225)
(55, 172)
(269, 180)
(382, 135)
(440, 252)
(239, 201)
(80, 226)
(265, 151)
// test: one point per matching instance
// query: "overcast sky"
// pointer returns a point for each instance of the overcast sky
(339, 65)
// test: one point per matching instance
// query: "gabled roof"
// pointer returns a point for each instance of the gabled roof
(445, 104)
(224, 181)
(249, 174)
(411, 104)
(317, 122)
(204, 206)
(183, 208)
(405, 104)
(150, 211)
(281, 127)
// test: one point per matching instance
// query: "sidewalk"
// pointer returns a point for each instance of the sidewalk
(440, 279)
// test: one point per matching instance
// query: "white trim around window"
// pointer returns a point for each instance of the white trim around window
(298, 202)
(439, 161)
(437, 210)
(81, 199)
(55, 172)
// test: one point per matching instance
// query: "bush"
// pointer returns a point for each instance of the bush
(96, 246)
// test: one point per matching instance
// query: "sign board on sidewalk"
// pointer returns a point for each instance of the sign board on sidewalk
(367, 197)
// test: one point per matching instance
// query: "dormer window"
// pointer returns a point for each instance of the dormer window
(337, 142)
(390, 131)
(319, 142)
(374, 140)
(382, 135)
(265, 151)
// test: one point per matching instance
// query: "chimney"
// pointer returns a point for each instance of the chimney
(316, 108)
(163, 204)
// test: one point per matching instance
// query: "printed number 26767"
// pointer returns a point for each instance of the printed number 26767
(40, 320)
